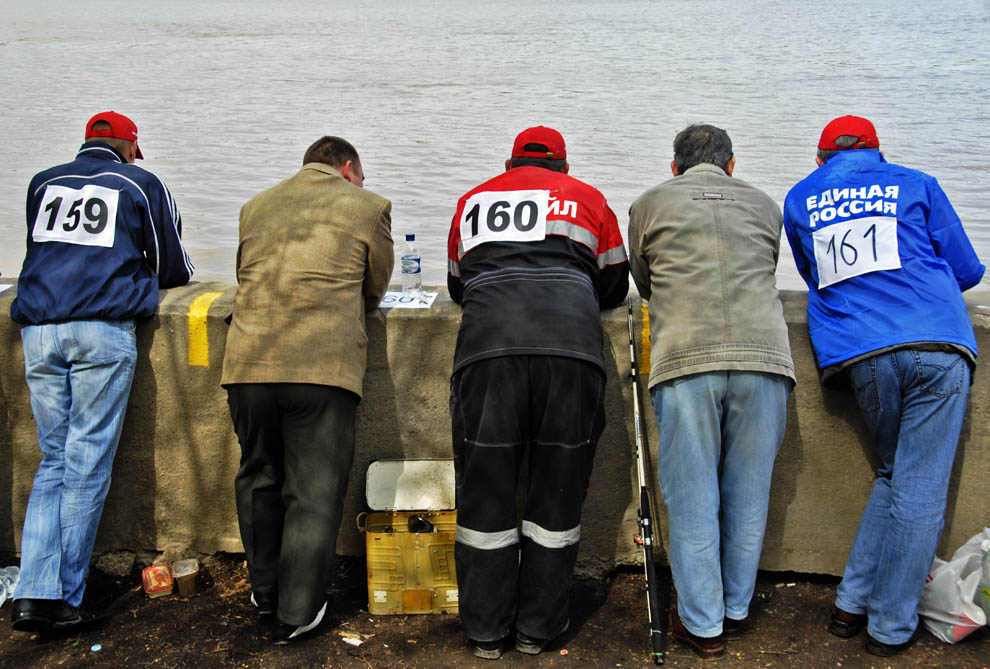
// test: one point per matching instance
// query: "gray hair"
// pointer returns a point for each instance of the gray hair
(702, 143)
(844, 142)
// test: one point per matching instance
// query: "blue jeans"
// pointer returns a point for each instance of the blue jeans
(79, 374)
(914, 403)
(719, 436)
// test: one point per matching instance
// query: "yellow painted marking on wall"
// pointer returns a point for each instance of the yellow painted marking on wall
(644, 342)
(199, 343)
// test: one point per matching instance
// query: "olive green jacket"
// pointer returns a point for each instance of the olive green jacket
(315, 256)
(703, 250)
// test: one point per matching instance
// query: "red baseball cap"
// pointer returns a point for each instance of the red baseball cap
(121, 127)
(548, 137)
(857, 126)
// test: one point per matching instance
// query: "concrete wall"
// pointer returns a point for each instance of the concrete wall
(172, 488)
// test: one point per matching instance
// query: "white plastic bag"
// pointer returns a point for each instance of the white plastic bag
(8, 581)
(956, 599)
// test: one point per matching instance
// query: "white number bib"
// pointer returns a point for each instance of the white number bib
(85, 216)
(862, 245)
(504, 216)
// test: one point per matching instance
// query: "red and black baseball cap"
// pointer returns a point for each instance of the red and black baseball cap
(857, 126)
(121, 127)
(546, 137)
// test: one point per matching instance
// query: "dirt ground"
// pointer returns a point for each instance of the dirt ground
(218, 627)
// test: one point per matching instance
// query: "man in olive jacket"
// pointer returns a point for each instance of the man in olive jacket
(703, 250)
(314, 260)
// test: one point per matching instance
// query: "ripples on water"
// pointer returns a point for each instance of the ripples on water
(228, 95)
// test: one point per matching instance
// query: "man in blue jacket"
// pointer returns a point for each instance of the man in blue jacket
(886, 260)
(102, 236)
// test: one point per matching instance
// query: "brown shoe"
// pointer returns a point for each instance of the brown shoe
(845, 624)
(706, 647)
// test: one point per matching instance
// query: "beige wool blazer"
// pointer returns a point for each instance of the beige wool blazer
(315, 256)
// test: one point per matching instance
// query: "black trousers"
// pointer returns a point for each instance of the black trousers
(554, 408)
(297, 444)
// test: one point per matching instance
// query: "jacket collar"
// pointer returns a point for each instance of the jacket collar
(100, 151)
(322, 167)
(705, 167)
(855, 157)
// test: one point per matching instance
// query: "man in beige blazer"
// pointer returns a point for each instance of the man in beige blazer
(314, 258)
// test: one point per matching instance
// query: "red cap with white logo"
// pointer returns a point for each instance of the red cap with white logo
(121, 127)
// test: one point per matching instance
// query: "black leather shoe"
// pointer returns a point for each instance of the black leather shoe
(881, 649)
(42, 615)
(734, 629)
(845, 624)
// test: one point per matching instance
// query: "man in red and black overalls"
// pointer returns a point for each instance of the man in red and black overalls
(533, 256)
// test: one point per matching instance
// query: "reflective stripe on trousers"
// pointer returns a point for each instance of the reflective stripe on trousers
(503, 409)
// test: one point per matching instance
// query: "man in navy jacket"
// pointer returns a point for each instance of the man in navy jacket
(886, 260)
(103, 235)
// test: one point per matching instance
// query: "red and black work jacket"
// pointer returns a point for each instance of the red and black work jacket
(533, 255)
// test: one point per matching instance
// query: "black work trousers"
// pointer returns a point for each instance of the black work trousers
(297, 444)
(554, 408)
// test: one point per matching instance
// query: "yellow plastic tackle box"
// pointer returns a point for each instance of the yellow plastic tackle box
(409, 537)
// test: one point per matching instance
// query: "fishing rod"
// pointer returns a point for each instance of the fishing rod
(645, 513)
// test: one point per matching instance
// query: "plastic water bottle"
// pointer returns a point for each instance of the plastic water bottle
(412, 277)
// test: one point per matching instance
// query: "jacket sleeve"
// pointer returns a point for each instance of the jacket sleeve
(797, 250)
(638, 264)
(950, 241)
(454, 285)
(381, 260)
(163, 249)
(613, 275)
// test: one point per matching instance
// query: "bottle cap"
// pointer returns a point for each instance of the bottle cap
(410, 237)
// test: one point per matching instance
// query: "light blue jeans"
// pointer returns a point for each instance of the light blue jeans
(79, 374)
(914, 403)
(719, 436)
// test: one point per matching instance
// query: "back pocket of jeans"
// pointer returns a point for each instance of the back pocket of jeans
(940, 374)
(863, 377)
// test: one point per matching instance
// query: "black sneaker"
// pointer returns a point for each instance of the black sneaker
(266, 605)
(487, 650)
(532, 646)
(284, 634)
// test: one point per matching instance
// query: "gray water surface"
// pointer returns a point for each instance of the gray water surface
(228, 95)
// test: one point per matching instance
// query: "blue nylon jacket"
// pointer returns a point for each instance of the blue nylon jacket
(102, 236)
(920, 301)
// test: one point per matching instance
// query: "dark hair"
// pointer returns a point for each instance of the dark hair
(526, 161)
(557, 165)
(844, 142)
(701, 143)
(332, 151)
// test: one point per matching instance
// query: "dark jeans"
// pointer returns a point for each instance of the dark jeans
(297, 444)
(553, 407)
